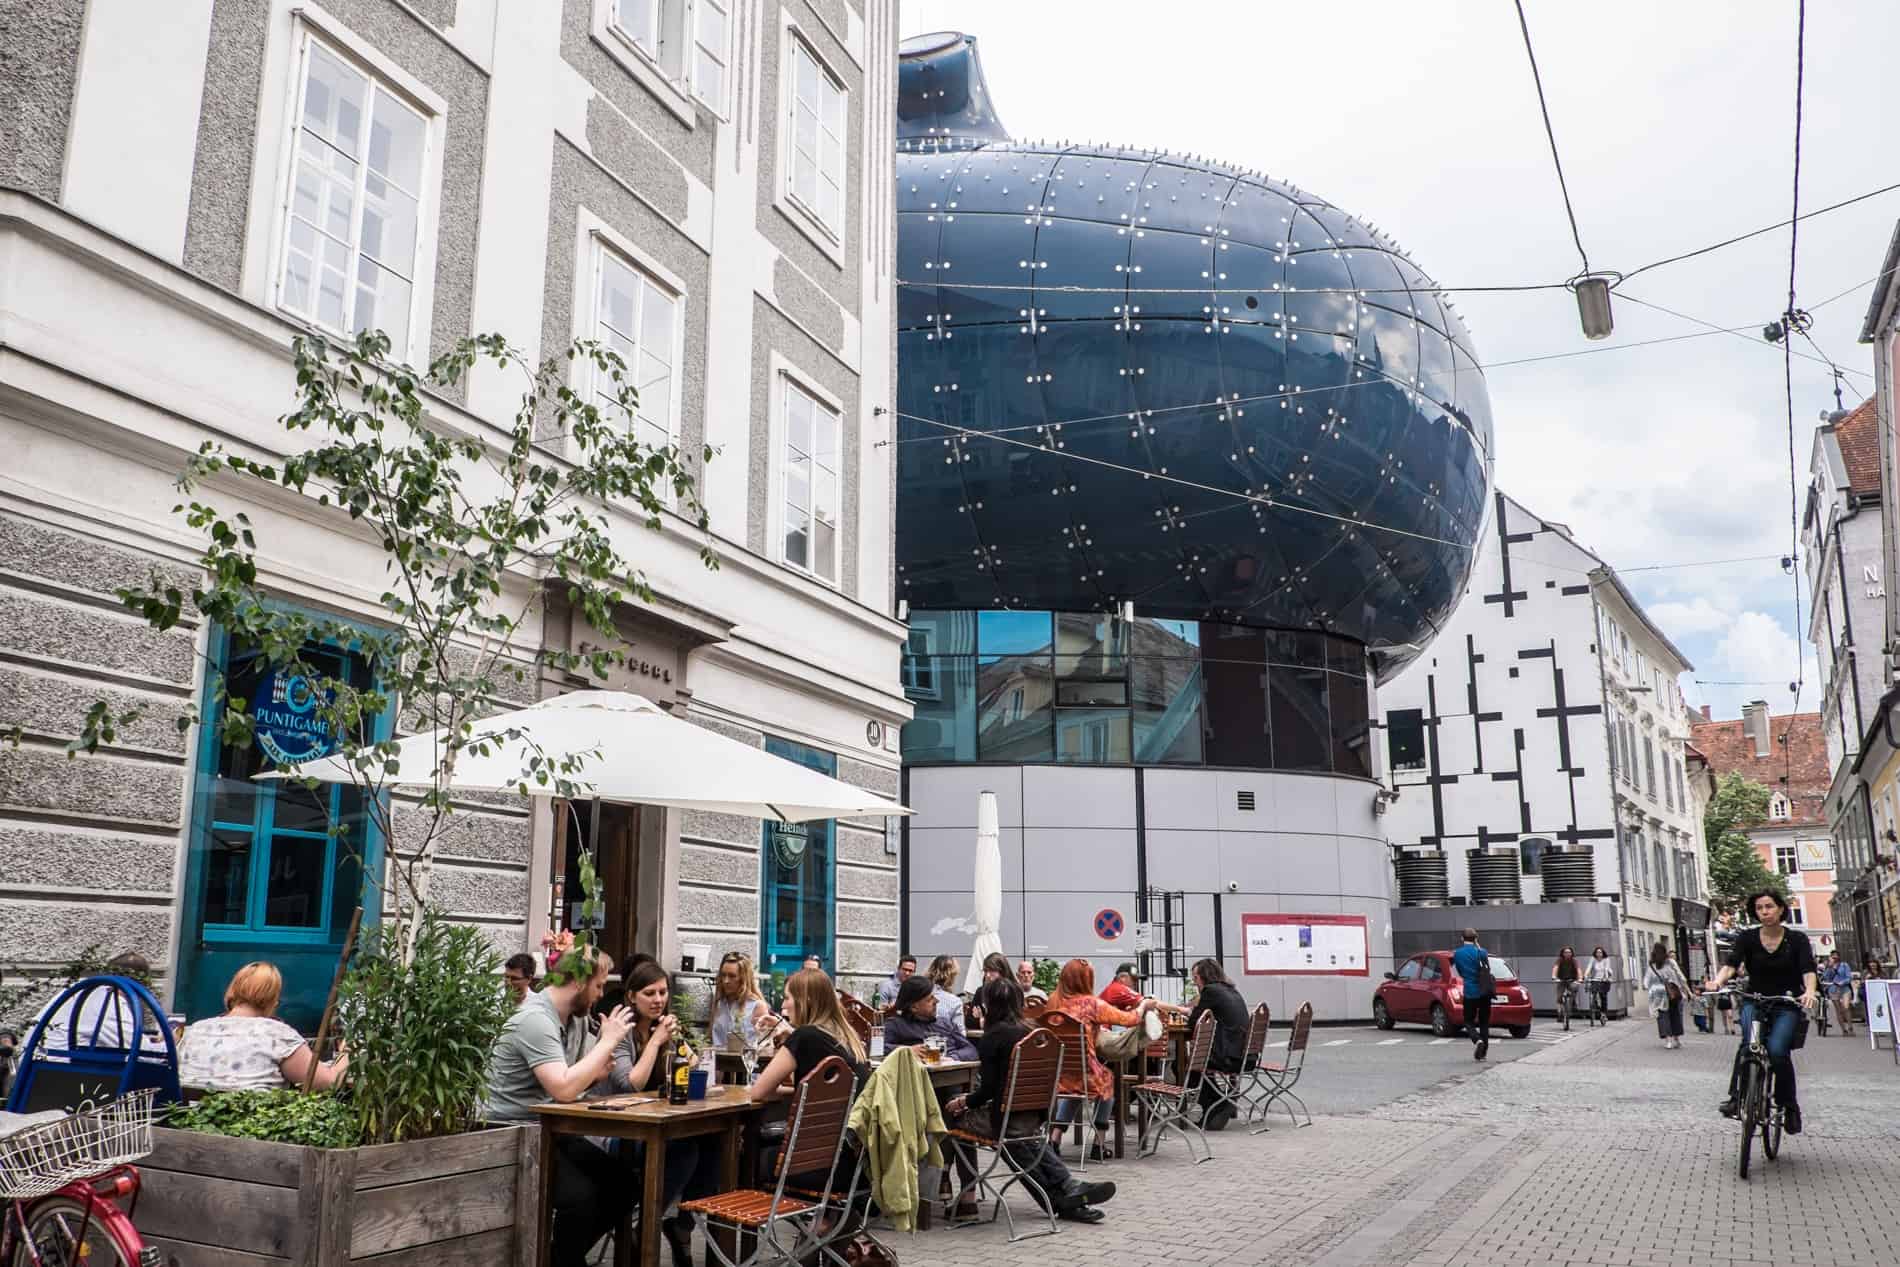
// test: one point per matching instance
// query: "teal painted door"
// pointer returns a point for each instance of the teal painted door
(799, 868)
(266, 878)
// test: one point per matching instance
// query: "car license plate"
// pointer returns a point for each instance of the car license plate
(1499, 998)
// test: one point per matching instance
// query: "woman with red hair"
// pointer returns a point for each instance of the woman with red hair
(1075, 998)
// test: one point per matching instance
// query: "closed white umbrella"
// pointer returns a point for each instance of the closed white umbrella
(988, 887)
(629, 750)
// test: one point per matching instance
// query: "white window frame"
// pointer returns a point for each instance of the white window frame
(593, 237)
(920, 679)
(1778, 807)
(267, 230)
(1790, 864)
(787, 377)
(668, 67)
(829, 238)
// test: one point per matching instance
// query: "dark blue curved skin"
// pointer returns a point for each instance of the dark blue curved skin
(1252, 352)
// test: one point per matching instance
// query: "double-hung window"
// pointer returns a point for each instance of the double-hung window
(810, 488)
(353, 225)
(686, 41)
(815, 175)
(638, 318)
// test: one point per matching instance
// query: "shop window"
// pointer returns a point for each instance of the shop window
(799, 893)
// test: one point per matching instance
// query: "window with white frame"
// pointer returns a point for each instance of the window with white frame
(810, 486)
(920, 667)
(814, 174)
(686, 41)
(637, 318)
(1778, 806)
(1787, 859)
(353, 224)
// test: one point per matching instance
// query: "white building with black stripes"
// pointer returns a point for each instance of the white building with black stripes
(1537, 750)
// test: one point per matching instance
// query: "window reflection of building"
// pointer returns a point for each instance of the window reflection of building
(1089, 688)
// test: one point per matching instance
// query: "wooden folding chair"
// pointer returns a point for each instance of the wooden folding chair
(1237, 1090)
(788, 1226)
(1167, 1102)
(1023, 1112)
(1073, 1035)
(1277, 1079)
(860, 1017)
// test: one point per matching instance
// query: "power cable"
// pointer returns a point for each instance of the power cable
(1795, 319)
(1737, 331)
(1543, 106)
(1767, 228)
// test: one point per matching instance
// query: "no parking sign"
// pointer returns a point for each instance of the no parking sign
(1109, 923)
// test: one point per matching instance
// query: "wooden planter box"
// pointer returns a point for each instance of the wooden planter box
(468, 1200)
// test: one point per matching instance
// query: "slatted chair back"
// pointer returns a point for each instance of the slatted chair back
(1257, 1035)
(1032, 1009)
(859, 1016)
(1200, 1049)
(819, 1113)
(1302, 1031)
(1035, 1066)
(1073, 1035)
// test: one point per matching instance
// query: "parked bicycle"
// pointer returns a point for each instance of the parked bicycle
(67, 1188)
(1755, 1099)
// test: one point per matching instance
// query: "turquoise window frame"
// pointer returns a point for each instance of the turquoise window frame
(821, 836)
(256, 929)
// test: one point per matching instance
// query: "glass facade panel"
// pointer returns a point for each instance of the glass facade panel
(800, 877)
(1346, 701)
(1013, 633)
(942, 690)
(1015, 708)
(1239, 731)
(1092, 735)
(1300, 721)
(1165, 694)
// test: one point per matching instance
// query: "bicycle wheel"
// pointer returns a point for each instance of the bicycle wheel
(67, 1234)
(1770, 1120)
(1751, 1112)
(1563, 1009)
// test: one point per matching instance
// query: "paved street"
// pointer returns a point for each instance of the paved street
(1358, 1068)
(1600, 1149)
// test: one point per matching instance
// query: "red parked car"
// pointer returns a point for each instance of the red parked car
(1426, 990)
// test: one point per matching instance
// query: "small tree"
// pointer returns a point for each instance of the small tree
(1735, 868)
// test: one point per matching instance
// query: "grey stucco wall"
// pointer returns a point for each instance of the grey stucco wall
(771, 331)
(691, 147)
(580, 182)
(228, 142)
(39, 66)
(841, 283)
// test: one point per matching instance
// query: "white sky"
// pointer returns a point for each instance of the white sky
(1675, 123)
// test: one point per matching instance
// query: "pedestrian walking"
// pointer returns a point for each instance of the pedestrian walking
(1837, 978)
(1474, 969)
(1667, 988)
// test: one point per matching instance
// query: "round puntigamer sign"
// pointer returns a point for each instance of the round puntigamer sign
(287, 725)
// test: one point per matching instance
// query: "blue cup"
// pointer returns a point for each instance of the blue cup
(696, 1085)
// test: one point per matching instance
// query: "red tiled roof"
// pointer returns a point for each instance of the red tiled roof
(1859, 437)
(1798, 768)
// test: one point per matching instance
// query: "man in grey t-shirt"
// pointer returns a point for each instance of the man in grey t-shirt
(543, 1055)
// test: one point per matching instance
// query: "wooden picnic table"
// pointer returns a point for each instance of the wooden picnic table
(649, 1118)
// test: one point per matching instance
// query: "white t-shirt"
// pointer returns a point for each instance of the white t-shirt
(236, 1053)
(104, 1009)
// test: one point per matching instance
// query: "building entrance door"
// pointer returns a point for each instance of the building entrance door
(617, 865)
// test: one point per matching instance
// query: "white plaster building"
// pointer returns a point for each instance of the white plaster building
(706, 183)
(1545, 721)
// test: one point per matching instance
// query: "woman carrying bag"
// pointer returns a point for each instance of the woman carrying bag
(1667, 989)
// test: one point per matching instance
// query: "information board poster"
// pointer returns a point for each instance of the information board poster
(1306, 945)
(1879, 1010)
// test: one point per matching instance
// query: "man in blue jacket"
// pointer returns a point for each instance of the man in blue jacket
(1470, 960)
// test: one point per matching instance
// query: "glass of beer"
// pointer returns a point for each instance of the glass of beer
(933, 1050)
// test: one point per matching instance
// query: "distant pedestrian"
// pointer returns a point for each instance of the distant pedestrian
(1667, 988)
(1474, 969)
(1837, 978)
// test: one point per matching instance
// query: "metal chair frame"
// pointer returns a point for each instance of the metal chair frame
(1073, 1035)
(1275, 1082)
(1168, 1102)
(1035, 1068)
(819, 1113)
(1237, 1089)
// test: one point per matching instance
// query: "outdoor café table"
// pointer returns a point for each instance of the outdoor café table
(645, 1116)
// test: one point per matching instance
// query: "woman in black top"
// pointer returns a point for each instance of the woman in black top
(1778, 961)
(1003, 1028)
(914, 1018)
(1230, 1037)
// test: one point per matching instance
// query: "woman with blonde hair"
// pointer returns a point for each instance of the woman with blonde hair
(814, 1028)
(738, 1009)
(943, 981)
(1075, 998)
(248, 1048)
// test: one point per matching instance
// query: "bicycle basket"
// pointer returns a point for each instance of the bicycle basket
(45, 1158)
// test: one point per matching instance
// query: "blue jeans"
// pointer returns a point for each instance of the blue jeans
(1779, 1030)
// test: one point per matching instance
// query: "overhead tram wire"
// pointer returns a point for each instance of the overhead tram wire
(1738, 331)
(1523, 24)
(1794, 317)
(1767, 228)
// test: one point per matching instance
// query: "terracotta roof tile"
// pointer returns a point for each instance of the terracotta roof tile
(1800, 768)
(1859, 438)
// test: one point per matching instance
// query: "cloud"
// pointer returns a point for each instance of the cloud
(1680, 620)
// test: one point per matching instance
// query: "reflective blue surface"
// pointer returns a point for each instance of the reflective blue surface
(1083, 687)
(1193, 387)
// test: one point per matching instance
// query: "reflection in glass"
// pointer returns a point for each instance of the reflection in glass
(1092, 735)
(1166, 637)
(1346, 700)
(1233, 642)
(942, 690)
(1014, 708)
(228, 878)
(1297, 647)
(1092, 636)
(299, 867)
(1300, 727)
(1012, 632)
(1239, 732)
(1166, 699)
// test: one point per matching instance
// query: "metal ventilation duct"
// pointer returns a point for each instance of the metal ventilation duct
(1570, 873)
(1493, 871)
(1424, 879)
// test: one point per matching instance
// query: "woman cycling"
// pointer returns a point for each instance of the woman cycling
(1600, 974)
(1566, 972)
(1778, 961)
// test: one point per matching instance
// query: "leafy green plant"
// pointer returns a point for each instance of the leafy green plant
(1048, 975)
(420, 1033)
(282, 1116)
(1736, 868)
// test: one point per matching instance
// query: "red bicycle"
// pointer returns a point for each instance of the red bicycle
(68, 1187)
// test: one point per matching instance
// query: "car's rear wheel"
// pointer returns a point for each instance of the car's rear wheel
(1520, 1031)
(1441, 1021)
(1382, 1015)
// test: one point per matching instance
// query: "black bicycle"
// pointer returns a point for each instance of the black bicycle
(1566, 1001)
(1599, 991)
(1755, 1099)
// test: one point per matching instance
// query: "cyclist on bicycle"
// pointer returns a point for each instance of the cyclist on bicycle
(1600, 974)
(1566, 972)
(1778, 961)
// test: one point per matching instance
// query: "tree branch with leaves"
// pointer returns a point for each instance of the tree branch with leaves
(1735, 867)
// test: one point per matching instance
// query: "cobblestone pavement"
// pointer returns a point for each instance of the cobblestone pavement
(1604, 1151)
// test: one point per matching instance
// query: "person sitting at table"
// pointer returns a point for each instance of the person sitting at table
(544, 1054)
(995, 967)
(943, 980)
(906, 969)
(975, 1112)
(918, 1016)
(517, 977)
(640, 1064)
(738, 1010)
(1026, 982)
(1231, 1019)
(1075, 998)
(248, 1048)
(814, 1027)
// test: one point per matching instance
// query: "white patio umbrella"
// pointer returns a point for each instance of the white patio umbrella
(630, 750)
(988, 887)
